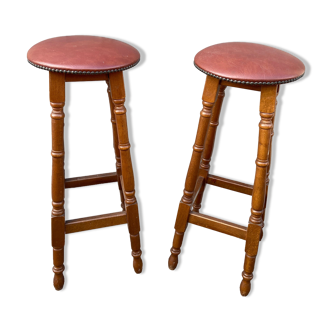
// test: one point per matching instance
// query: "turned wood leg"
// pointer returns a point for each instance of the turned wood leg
(209, 145)
(269, 157)
(116, 146)
(267, 108)
(118, 98)
(209, 97)
(57, 99)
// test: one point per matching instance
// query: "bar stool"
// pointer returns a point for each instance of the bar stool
(89, 58)
(246, 66)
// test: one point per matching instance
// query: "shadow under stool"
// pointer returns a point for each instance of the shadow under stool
(89, 58)
(246, 66)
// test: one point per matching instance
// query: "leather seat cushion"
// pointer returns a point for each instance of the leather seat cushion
(249, 63)
(83, 54)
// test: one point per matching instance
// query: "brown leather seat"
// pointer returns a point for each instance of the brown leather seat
(249, 63)
(83, 55)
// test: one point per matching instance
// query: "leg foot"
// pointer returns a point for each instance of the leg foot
(245, 284)
(175, 250)
(137, 263)
(135, 243)
(173, 259)
(58, 281)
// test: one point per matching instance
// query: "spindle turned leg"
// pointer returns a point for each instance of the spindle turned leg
(116, 146)
(267, 109)
(209, 145)
(209, 97)
(57, 99)
(118, 98)
(267, 183)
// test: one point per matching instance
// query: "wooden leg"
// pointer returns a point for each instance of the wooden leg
(267, 108)
(57, 99)
(267, 183)
(209, 97)
(116, 146)
(209, 145)
(118, 98)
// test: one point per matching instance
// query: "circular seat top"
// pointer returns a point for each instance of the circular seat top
(249, 63)
(83, 55)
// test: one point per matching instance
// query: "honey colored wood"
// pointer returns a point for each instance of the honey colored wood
(117, 91)
(267, 109)
(230, 184)
(209, 144)
(242, 86)
(90, 180)
(191, 200)
(209, 97)
(218, 225)
(116, 146)
(198, 188)
(85, 78)
(104, 220)
(57, 100)
(267, 183)
(124, 172)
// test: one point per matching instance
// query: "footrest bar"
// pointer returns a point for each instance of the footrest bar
(90, 180)
(103, 220)
(230, 184)
(218, 225)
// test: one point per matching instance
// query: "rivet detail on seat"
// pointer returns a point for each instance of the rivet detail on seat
(247, 82)
(83, 72)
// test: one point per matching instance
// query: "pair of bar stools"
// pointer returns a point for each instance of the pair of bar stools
(241, 65)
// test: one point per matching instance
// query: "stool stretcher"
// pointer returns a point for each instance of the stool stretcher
(90, 180)
(218, 225)
(229, 184)
(93, 222)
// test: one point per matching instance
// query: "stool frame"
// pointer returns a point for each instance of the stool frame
(124, 172)
(198, 175)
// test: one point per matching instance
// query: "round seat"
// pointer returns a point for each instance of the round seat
(249, 63)
(83, 55)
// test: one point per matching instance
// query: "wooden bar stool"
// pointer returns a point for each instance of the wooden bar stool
(89, 58)
(247, 66)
